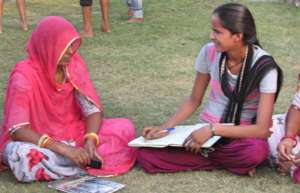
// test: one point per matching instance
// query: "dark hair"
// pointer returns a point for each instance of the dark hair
(238, 19)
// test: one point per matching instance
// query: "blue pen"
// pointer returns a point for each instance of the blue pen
(169, 129)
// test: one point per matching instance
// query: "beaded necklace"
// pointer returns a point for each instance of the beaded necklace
(223, 68)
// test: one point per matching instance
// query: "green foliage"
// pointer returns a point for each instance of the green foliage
(144, 71)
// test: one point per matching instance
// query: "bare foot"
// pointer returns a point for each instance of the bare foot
(135, 20)
(130, 13)
(252, 172)
(24, 26)
(86, 34)
(105, 28)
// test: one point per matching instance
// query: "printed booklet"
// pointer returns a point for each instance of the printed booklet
(85, 184)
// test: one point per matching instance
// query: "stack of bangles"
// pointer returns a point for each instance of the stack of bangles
(291, 137)
(44, 140)
(93, 136)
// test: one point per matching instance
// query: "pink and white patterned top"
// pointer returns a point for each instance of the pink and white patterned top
(208, 62)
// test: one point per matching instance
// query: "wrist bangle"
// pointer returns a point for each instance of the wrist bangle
(93, 136)
(212, 129)
(46, 142)
(292, 137)
(43, 140)
(295, 107)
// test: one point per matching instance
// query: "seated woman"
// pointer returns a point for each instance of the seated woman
(53, 119)
(244, 81)
(285, 142)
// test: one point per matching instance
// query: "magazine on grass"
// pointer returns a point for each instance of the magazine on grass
(175, 138)
(85, 184)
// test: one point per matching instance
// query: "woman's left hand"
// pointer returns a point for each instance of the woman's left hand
(196, 139)
(285, 148)
(296, 160)
(91, 148)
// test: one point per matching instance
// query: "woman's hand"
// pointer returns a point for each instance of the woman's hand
(296, 159)
(285, 148)
(91, 149)
(196, 139)
(78, 155)
(284, 166)
(154, 132)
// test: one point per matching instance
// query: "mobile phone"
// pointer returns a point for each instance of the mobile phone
(96, 164)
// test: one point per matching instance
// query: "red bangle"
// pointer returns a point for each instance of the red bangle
(292, 137)
(295, 107)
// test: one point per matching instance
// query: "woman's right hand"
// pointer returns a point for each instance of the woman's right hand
(78, 155)
(91, 148)
(285, 148)
(154, 132)
(284, 166)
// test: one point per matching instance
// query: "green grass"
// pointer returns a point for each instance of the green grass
(144, 71)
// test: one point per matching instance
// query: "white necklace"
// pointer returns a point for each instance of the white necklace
(223, 64)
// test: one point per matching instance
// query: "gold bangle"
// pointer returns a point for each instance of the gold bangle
(42, 139)
(46, 141)
(92, 135)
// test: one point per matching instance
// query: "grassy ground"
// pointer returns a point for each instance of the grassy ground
(143, 71)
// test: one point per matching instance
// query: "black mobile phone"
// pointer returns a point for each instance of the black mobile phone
(95, 164)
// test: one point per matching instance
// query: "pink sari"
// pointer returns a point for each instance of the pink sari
(33, 97)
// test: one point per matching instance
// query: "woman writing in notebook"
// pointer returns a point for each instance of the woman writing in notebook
(244, 81)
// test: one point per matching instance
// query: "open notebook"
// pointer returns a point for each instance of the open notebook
(175, 138)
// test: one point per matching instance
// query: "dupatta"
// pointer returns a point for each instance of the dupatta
(33, 97)
(248, 80)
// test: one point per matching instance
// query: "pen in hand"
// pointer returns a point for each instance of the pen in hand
(165, 131)
(168, 130)
(157, 133)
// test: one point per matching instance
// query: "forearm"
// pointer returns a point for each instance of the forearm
(192, 102)
(27, 134)
(245, 131)
(94, 122)
(292, 122)
(261, 129)
(183, 112)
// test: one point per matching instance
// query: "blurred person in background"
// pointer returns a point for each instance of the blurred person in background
(87, 17)
(22, 13)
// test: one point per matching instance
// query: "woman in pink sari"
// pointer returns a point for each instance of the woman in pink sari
(53, 119)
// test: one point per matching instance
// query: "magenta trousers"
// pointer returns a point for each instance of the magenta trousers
(239, 156)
